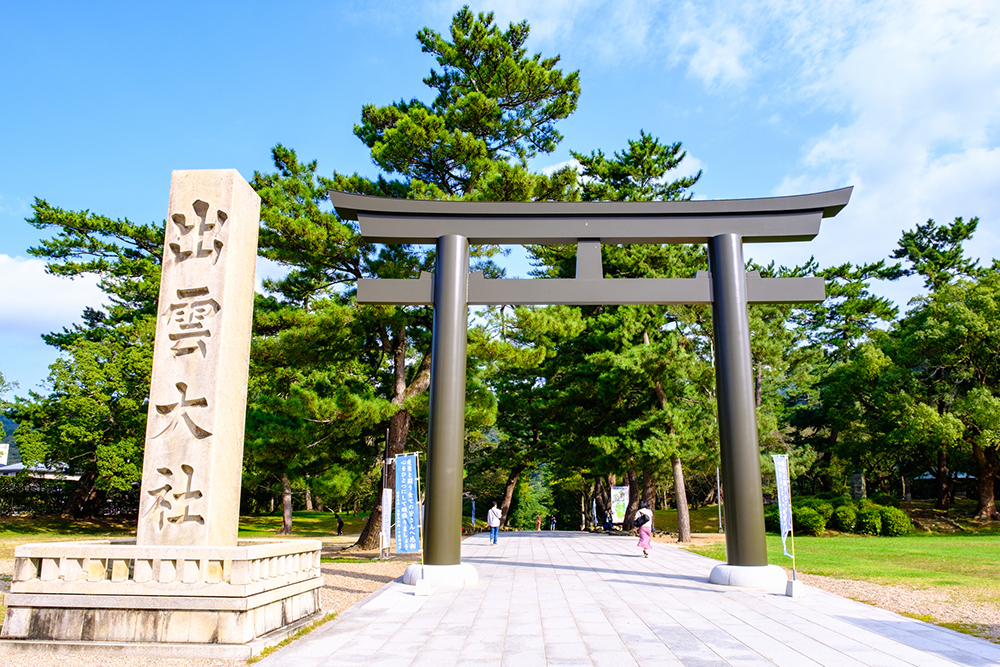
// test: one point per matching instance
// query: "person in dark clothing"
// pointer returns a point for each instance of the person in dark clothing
(340, 525)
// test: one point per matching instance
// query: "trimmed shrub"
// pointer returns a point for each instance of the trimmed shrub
(869, 521)
(808, 521)
(843, 501)
(825, 509)
(895, 522)
(885, 500)
(772, 521)
(829, 495)
(844, 518)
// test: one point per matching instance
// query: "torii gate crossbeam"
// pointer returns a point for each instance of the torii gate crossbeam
(724, 225)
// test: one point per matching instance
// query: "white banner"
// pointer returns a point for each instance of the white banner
(4, 449)
(619, 502)
(784, 498)
(386, 516)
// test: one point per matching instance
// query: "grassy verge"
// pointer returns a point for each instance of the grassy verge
(964, 564)
(304, 524)
(288, 640)
(703, 520)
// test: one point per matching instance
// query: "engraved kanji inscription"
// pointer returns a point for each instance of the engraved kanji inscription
(190, 319)
(178, 413)
(197, 239)
(174, 508)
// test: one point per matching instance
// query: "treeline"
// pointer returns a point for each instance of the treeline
(563, 402)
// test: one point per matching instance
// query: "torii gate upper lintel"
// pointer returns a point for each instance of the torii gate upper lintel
(724, 225)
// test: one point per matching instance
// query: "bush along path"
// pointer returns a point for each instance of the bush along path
(812, 516)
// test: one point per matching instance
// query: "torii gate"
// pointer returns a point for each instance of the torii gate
(724, 225)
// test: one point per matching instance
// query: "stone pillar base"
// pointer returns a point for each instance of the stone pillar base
(444, 576)
(750, 576)
(120, 598)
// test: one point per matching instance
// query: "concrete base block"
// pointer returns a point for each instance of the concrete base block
(158, 649)
(750, 576)
(443, 576)
(795, 589)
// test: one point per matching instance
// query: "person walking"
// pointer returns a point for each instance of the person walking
(644, 525)
(340, 525)
(538, 522)
(552, 523)
(493, 521)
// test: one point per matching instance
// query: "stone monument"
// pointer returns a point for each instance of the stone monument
(185, 583)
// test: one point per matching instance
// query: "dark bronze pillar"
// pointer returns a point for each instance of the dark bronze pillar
(446, 428)
(744, 509)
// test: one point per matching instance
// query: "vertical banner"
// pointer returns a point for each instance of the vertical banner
(784, 498)
(386, 517)
(407, 509)
(619, 502)
(473, 515)
(4, 449)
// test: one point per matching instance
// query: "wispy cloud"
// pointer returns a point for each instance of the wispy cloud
(41, 303)
(922, 83)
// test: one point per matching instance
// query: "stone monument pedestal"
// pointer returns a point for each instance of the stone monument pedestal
(116, 597)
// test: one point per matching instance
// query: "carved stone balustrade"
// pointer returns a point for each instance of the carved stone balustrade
(115, 591)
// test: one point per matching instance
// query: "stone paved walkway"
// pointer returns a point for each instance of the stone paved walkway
(567, 598)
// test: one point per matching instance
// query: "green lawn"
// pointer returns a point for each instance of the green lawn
(304, 524)
(703, 520)
(966, 564)
(19, 530)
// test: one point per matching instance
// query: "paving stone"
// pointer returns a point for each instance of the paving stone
(583, 599)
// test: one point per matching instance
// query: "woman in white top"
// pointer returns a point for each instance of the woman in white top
(644, 524)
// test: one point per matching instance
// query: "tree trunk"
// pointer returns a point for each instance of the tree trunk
(309, 498)
(602, 498)
(634, 495)
(986, 473)
(758, 393)
(508, 493)
(286, 506)
(73, 508)
(680, 499)
(320, 507)
(399, 426)
(648, 490)
(943, 481)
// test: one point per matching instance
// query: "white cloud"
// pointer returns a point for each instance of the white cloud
(714, 49)
(16, 207)
(551, 169)
(34, 302)
(923, 85)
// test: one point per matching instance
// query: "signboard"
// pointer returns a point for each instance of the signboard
(407, 504)
(386, 517)
(784, 498)
(4, 449)
(619, 502)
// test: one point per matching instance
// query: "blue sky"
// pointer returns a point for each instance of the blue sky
(100, 101)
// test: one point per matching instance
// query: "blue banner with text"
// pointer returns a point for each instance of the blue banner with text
(407, 504)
